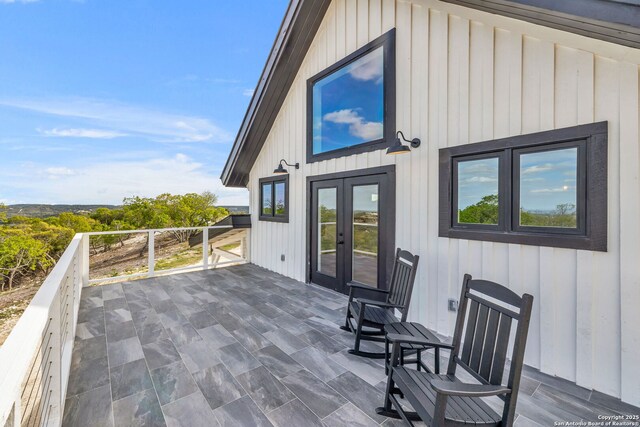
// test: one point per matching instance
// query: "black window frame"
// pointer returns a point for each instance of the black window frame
(273, 180)
(591, 181)
(388, 43)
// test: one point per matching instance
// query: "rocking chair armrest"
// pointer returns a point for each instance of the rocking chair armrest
(383, 304)
(409, 339)
(468, 390)
(357, 285)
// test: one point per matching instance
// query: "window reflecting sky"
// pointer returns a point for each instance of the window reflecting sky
(476, 179)
(548, 179)
(348, 105)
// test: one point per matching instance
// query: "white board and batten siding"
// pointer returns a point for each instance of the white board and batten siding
(465, 76)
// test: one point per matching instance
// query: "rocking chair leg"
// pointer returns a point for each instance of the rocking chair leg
(387, 408)
(387, 362)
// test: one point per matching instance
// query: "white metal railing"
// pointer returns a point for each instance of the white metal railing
(35, 360)
(151, 258)
(36, 357)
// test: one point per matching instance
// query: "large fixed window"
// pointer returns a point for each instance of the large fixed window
(351, 105)
(546, 189)
(274, 199)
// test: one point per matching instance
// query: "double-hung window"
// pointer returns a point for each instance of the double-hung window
(274, 199)
(545, 189)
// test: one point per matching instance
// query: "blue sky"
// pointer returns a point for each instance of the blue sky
(342, 121)
(100, 100)
(548, 179)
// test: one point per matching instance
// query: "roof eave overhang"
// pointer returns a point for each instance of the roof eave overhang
(298, 28)
(616, 21)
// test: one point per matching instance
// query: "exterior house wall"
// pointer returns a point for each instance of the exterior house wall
(465, 76)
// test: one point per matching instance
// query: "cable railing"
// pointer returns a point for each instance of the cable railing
(209, 256)
(36, 357)
(35, 360)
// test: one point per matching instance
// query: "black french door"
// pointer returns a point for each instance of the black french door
(351, 227)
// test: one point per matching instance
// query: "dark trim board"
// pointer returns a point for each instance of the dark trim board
(388, 43)
(390, 236)
(609, 20)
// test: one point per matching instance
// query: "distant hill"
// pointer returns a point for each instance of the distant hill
(237, 209)
(43, 211)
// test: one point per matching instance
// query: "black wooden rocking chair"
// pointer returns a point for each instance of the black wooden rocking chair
(442, 400)
(374, 314)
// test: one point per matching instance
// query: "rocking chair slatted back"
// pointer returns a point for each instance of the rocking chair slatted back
(402, 279)
(485, 320)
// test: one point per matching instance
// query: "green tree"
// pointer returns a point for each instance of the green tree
(108, 216)
(78, 223)
(3, 212)
(483, 212)
(167, 210)
(20, 253)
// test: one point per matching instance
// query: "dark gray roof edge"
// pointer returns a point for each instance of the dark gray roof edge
(616, 21)
(258, 93)
(302, 18)
(613, 21)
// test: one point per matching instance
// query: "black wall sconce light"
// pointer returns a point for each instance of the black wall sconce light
(399, 147)
(281, 170)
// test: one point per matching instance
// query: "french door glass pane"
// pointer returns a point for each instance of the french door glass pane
(548, 196)
(327, 229)
(365, 234)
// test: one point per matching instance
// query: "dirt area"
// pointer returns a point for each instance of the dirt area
(131, 256)
(14, 302)
(127, 257)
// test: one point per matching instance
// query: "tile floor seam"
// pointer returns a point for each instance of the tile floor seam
(307, 406)
(104, 319)
(286, 403)
(345, 397)
(146, 363)
(246, 394)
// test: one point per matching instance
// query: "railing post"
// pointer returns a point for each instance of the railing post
(152, 256)
(205, 248)
(246, 247)
(84, 253)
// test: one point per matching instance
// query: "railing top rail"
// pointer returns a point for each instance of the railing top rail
(157, 230)
(17, 350)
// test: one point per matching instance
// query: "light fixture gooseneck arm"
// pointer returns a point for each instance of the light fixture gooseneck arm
(415, 142)
(295, 165)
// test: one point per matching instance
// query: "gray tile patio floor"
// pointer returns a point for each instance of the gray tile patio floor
(242, 346)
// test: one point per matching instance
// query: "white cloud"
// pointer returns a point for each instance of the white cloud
(17, 1)
(248, 92)
(59, 171)
(481, 179)
(538, 168)
(553, 190)
(358, 127)
(111, 181)
(127, 119)
(82, 133)
(372, 69)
